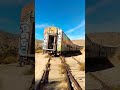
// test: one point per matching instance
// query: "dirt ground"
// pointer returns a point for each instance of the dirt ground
(115, 59)
(107, 79)
(55, 76)
(40, 62)
(12, 77)
(75, 68)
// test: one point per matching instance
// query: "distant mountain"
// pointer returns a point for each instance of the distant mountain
(79, 42)
(38, 44)
(8, 42)
(105, 38)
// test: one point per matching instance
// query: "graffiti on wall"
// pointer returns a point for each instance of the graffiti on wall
(25, 33)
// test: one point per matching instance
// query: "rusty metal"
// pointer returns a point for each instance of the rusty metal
(69, 83)
(61, 42)
(71, 77)
(44, 78)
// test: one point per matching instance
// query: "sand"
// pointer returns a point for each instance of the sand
(75, 70)
(12, 77)
(40, 63)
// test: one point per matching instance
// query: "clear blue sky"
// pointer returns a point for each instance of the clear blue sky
(69, 15)
(102, 16)
(10, 11)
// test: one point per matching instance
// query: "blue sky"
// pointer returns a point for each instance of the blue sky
(69, 15)
(102, 16)
(10, 11)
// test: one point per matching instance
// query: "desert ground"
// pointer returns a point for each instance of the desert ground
(40, 62)
(14, 78)
(107, 79)
(56, 76)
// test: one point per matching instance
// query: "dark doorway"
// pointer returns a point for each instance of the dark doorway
(51, 42)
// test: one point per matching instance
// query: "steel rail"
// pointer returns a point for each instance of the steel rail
(71, 77)
(44, 78)
(69, 83)
(76, 60)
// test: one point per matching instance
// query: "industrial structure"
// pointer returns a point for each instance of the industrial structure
(57, 42)
(94, 50)
(27, 35)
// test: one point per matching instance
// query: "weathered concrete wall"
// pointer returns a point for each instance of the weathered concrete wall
(96, 50)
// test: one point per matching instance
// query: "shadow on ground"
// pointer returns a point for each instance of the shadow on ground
(97, 64)
(69, 54)
(52, 85)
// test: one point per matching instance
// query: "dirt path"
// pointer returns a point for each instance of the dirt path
(55, 81)
(40, 63)
(12, 77)
(108, 78)
(79, 75)
(55, 77)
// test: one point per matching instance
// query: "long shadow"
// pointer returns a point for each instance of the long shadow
(97, 64)
(53, 84)
(69, 54)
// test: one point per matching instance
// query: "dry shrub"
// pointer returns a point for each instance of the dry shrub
(9, 60)
(60, 57)
(62, 70)
(38, 51)
(65, 81)
(82, 66)
(62, 86)
(47, 56)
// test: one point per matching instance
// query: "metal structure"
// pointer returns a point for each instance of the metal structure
(40, 84)
(27, 29)
(57, 42)
(98, 49)
(72, 83)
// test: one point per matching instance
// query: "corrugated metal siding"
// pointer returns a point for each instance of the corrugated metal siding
(65, 42)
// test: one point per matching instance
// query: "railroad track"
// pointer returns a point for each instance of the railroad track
(72, 83)
(40, 85)
(76, 60)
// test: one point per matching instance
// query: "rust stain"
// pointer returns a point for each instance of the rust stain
(52, 30)
(27, 8)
